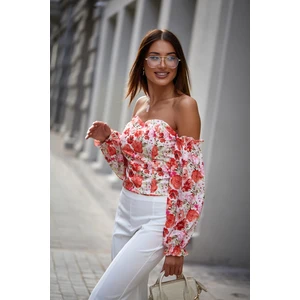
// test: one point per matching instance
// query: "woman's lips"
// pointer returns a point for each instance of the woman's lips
(161, 75)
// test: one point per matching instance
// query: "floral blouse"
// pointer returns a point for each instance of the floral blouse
(153, 160)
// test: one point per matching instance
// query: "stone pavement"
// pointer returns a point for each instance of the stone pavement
(82, 209)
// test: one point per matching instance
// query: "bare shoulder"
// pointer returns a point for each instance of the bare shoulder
(187, 117)
(138, 104)
(185, 103)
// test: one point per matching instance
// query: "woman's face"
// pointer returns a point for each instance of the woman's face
(161, 74)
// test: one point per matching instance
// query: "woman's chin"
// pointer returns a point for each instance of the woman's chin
(161, 81)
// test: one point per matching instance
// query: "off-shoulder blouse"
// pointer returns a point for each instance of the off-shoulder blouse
(153, 160)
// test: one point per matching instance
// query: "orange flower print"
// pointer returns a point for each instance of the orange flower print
(181, 214)
(166, 231)
(156, 163)
(179, 203)
(171, 164)
(176, 251)
(187, 185)
(176, 181)
(169, 202)
(154, 151)
(138, 156)
(153, 186)
(192, 215)
(180, 225)
(170, 220)
(128, 185)
(130, 139)
(138, 133)
(179, 143)
(111, 150)
(126, 132)
(160, 171)
(137, 146)
(189, 146)
(185, 174)
(127, 150)
(136, 167)
(137, 180)
(177, 154)
(140, 121)
(184, 163)
(130, 173)
(146, 135)
(197, 175)
(170, 130)
(173, 194)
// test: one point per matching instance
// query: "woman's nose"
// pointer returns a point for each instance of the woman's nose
(162, 62)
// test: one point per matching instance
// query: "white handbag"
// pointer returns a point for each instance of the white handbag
(182, 288)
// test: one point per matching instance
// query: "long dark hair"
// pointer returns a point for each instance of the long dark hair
(138, 81)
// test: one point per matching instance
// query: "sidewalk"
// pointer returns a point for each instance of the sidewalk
(82, 213)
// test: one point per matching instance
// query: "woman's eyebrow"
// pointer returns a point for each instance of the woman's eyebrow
(159, 53)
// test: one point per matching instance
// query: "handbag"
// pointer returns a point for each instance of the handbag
(182, 288)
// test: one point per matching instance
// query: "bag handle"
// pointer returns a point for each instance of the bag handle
(163, 274)
(186, 292)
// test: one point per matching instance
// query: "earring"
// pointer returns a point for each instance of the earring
(143, 71)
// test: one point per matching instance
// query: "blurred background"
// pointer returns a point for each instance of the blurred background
(93, 45)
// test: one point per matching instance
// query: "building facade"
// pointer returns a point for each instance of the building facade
(93, 45)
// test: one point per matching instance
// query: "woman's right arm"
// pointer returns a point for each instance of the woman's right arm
(108, 141)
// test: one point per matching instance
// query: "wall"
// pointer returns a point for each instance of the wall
(215, 38)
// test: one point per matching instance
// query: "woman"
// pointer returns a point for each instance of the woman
(159, 159)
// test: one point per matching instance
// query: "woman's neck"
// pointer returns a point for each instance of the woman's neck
(160, 93)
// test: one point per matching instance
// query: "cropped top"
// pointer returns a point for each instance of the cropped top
(153, 160)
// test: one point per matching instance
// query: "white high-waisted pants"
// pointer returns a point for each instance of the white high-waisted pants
(137, 247)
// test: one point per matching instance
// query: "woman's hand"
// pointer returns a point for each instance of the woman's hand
(99, 131)
(173, 265)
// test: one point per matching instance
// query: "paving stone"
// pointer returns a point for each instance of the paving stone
(70, 297)
(56, 297)
(54, 290)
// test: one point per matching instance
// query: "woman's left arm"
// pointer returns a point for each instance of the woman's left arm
(186, 188)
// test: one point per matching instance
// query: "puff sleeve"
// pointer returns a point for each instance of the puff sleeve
(111, 149)
(186, 193)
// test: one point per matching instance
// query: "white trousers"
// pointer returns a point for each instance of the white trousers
(137, 247)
